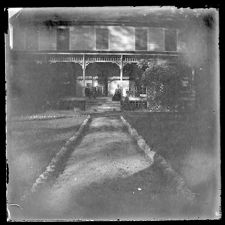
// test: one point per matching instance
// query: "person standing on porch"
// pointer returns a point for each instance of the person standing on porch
(87, 92)
(94, 92)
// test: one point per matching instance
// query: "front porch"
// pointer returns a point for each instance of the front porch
(88, 60)
(66, 75)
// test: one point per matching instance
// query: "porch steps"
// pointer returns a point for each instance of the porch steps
(102, 105)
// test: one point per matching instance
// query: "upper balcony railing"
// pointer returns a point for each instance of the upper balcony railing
(90, 57)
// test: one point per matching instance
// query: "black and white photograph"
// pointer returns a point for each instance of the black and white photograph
(112, 114)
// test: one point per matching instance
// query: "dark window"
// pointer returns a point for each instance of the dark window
(102, 40)
(31, 38)
(141, 39)
(171, 40)
(19, 40)
(63, 39)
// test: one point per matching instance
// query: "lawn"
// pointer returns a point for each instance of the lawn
(189, 143)
(31, 144)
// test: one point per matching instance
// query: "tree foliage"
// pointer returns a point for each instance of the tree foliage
(135, 74)
(163, 81)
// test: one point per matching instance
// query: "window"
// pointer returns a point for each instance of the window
(121, 38)
(102, 38)
(141, 39)
(62, 39)
(31, 38)
(19, 40)
(170, 40)
(82, 38)
(47, 38)
(155, 39)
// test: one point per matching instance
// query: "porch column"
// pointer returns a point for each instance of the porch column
(193, 93)
(193, 75)
(84, 69)
(121, 68)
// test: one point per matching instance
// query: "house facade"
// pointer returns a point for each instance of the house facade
(82, 47)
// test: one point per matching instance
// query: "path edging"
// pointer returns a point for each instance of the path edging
(41, 117)
(181, 187)
(52, 165)
(140, 141)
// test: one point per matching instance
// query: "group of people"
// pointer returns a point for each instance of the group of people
(90, 92)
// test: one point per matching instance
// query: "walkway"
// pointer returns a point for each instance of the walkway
(108, 177)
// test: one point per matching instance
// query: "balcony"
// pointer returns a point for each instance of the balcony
(89, 57)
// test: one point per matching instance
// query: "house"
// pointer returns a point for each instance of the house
(66, 49)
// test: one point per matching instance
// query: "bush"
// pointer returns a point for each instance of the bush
(164, 84)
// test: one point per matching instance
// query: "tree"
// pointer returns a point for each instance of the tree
(163, 82)
(134, 72)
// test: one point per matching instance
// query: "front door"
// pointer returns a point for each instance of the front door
(103, 81)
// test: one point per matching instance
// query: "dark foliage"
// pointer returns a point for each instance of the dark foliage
(163, 81)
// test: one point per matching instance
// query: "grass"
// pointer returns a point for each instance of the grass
(189, 144)
(144, 195)
(30, 147)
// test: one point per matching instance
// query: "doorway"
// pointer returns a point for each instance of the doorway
(100, 75)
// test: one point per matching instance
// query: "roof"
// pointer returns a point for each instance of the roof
(154, 16)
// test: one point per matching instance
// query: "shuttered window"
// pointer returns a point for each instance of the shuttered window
(102, 38)
(170, 40)
(63, 39)
(32, 38)
(155, 39)
(141, 39)
(19, 38)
